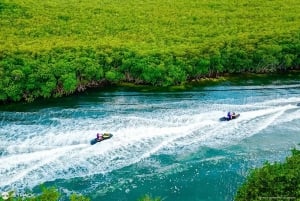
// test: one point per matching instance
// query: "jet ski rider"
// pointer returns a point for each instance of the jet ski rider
(231, 115)
(99, 137)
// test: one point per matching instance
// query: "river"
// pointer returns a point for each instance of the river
(169, 144)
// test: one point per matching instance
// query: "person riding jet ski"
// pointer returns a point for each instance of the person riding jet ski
(231, 115)
(99, 136)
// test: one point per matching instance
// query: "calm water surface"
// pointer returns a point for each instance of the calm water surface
(167, 144)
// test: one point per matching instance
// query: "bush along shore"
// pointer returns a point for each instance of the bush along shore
(278, 181)
(27, 76)
(55, 48)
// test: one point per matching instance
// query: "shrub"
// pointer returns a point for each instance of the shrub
(279, 181)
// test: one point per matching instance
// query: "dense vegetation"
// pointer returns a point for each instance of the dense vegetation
(56, 47)
(278, 181)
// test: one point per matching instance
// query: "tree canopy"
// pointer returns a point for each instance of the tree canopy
(278, 181)
(52, 48)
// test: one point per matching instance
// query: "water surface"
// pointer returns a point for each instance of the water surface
(166, 143)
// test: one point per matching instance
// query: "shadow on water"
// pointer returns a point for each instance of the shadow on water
(99, 95)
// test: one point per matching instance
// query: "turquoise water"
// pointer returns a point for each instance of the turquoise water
(167, 144)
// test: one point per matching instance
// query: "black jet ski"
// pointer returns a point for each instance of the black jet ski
(105, 136)
(227, 118)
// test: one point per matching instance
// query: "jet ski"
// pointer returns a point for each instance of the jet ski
(227, 118)
(105, 136)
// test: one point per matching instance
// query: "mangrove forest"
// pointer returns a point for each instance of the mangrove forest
(53, 48)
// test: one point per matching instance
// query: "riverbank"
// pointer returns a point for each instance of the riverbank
(227, 79)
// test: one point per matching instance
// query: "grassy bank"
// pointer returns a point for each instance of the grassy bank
(54, 48)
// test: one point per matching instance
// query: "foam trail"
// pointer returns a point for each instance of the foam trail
(54, 144)
(250, 123)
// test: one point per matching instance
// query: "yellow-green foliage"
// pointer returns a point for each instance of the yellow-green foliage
(144, 26)
(55, 47)
(149, 198)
